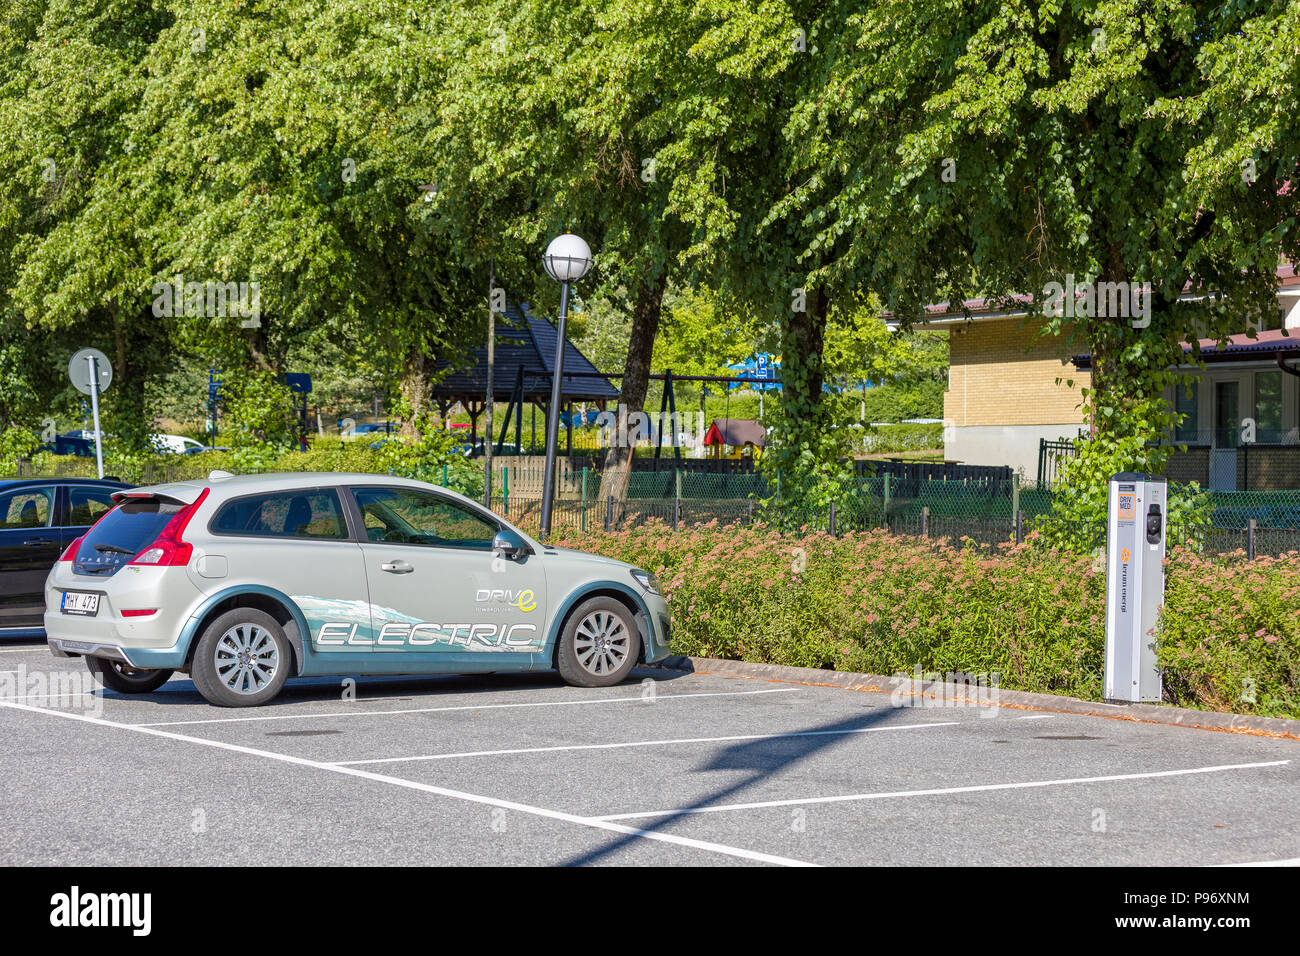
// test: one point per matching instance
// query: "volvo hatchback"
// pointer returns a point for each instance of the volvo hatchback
(243, 582)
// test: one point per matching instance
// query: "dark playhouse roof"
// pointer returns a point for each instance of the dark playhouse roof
(736, 432)
(527, 340)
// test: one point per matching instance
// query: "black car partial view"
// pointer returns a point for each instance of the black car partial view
(39, 518)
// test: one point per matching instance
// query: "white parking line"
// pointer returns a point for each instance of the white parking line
(941, 791)
(641, 743)
(637, 699)
(1294, 861)
(428, 788)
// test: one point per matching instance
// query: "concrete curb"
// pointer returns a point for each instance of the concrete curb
(941, 693)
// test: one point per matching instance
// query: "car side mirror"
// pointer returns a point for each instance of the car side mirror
(508, 545)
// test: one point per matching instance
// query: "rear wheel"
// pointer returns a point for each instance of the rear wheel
(125, 679)
(599, 644)
(242, 659)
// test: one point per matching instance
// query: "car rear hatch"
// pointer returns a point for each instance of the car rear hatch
(146, 527)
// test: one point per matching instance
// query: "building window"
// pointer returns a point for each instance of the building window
(1227, 413)
(1268, 407)
(1186, 403)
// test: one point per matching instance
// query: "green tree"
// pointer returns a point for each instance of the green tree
(71, 260)
(612, 122)
(955, 150)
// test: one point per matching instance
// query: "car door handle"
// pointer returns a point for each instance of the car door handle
(396, 567)
(33, 542)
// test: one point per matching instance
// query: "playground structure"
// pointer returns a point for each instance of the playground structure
(735, 438)
(524, 349)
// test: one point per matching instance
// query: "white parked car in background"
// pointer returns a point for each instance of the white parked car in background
(174, 444)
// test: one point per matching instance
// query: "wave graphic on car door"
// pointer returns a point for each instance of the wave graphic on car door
(336, 623)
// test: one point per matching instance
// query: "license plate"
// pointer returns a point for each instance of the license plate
(80, 602)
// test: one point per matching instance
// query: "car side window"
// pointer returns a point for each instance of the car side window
(27, 508)
(312, 513)
(412, 516)
(88, 505)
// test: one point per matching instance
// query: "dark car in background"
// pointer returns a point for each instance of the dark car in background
(70, 444)
(39, 518)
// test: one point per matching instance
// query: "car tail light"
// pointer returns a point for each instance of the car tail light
(169, 549)
(139, 611)
(70, 552)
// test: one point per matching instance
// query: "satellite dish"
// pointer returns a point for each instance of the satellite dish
(79, 370)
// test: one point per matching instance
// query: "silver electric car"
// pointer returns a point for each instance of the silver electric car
(243, 582)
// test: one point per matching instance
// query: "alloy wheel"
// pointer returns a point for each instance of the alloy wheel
(602, 642)
(247, 658)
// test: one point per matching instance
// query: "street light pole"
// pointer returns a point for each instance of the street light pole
(567, 260)
(491, 361)
(553, 416)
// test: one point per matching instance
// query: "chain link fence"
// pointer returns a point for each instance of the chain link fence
(944, 512)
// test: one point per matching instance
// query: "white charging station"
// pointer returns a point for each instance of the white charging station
(1136, 514)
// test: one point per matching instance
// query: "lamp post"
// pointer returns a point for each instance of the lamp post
(567, 259)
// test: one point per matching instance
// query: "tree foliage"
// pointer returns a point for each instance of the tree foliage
(771, 173)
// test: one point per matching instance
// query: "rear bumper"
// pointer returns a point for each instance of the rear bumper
(145, 658)
(147, 642)
(62, 648)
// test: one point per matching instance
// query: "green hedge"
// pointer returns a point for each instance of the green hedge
(889, 439)
(877, 603)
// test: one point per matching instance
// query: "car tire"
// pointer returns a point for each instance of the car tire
(124, 678)
(242, 659)
(599, 645)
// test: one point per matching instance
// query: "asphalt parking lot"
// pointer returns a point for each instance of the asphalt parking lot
(671, 768)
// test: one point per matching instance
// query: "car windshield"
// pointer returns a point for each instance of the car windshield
(122, 534)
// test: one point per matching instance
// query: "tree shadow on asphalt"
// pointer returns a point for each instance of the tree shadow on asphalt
(180, 690)
(764, 758)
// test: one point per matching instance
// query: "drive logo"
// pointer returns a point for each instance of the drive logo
(75, 909)
(524, 600)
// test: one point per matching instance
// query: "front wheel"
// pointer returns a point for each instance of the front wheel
(125, 679)
(599, 645)
(242, 659)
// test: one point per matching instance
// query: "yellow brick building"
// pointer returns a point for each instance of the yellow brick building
(1010, 387)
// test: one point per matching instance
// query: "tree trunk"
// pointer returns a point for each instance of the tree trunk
(415, 388)
(636, 381)
(129, 371)
(804, 336)
(259, 347)
(1126, 400)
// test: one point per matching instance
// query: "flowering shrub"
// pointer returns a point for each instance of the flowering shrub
(876, 603)
(1230, 634)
